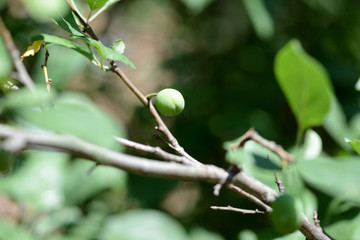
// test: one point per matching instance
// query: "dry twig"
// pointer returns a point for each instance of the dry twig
(24, 77)
(244, 211)
(251, 134)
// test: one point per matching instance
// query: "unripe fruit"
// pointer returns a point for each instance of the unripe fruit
(169, 102)
(286, 214)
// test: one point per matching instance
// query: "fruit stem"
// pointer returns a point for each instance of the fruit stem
(150, 95)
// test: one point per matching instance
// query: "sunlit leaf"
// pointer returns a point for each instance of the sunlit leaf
(69, 24)
(42, 178)
(260, 18)
(63, 42)
(196, 6)
(119, 46)
(345, 229)
(337, 177)
(305, 84)
(105, 52)
(355, 144)
(94, 4)
(33, 48)
(312, 145)
(25, 98)
(81, 186)
(75, 114)
(336, 124)
(155, 225)
(203, 234)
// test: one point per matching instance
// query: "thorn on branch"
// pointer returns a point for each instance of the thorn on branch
(316, 220)
(279, 184)
(92, 168)
(244, 211)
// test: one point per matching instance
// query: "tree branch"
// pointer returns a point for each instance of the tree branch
(251, 134)
(244, 211)
(16, 140)
(24, 77)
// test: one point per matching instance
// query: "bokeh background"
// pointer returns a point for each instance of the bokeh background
(220, 55)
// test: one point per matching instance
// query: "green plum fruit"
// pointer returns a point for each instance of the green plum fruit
(169, 102)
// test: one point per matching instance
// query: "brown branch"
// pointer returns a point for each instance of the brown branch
(312, 232)
(16, 140)
(251, 134)
(156, 151)
(24, 76)
(244, 211)
(250, 197)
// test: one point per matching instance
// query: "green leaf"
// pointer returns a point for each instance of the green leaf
(155, 225)
(119, 46)
(345, 229)
(41, 178)
(69, 25)
(5, 60)
(94, 4)
(334, 176)
(312, 145)
(75, 114)
(81, 186)
(196, 6)
(105, 52)
(355, 145)
(25, 98)
(260, 18)
(305, 83)
(198, 233)
(336, 125)
(63, 42)
(10, 230)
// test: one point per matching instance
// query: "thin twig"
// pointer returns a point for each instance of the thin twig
(250, 197)
(156, 151)
(251, 134)
(244, 211)
(24, 76)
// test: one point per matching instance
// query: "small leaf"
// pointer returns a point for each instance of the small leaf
(305, 83)
(63, 42)
(357, 85)
(105, 52)
(119, 46)
(94, 4)
(312, 145)
(355, 145)
(34, 48)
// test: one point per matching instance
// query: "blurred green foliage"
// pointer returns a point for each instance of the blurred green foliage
(221, 56)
